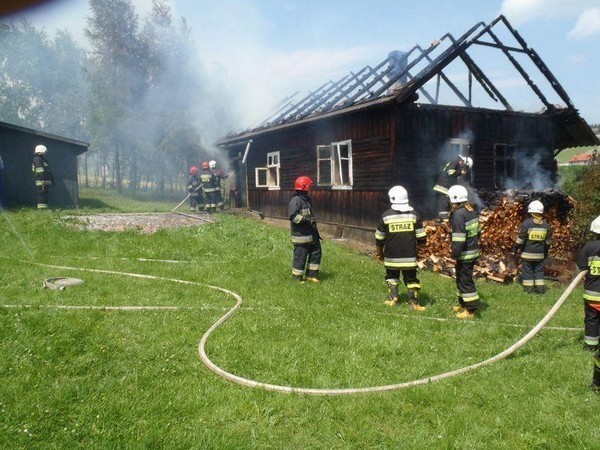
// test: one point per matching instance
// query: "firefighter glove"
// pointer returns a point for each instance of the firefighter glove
(379, 253)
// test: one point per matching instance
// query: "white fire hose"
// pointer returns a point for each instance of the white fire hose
(390, 387)
(310, 391)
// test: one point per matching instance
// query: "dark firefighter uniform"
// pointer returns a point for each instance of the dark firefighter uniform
(305, 237)
(533, 241)
(464, 222)
(209, 185)
(43, 180)
(218, 173)
(446, 179)
(588, 258)
(194, 188)
(396, 239)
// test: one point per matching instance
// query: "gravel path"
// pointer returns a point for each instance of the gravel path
(145, 223)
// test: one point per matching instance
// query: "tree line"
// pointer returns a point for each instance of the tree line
(137, 94)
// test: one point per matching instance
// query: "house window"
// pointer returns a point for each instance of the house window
(504, 164)
(334, 165)
(460, 147)
(268, 176)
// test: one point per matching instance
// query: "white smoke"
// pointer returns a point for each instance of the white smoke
(530, 173)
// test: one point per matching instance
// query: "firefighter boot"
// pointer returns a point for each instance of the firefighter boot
(413, 299)
(393, 295)
(466, 314)
(458, 308)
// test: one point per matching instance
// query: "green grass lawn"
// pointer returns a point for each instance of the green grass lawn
(109, 378)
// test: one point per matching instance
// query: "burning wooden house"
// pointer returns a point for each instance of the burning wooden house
(399, 122)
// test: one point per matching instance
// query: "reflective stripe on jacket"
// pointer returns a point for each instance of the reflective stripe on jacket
(464, 222)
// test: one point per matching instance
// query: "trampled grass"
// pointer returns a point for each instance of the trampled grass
(109, 378)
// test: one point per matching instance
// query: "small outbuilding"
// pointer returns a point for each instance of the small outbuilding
(392, 123)
(18, 186)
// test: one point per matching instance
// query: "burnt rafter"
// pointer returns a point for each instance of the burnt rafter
(388, 81)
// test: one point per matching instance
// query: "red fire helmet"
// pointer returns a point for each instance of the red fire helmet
(193, 170)
(303, 183)
(205, 165)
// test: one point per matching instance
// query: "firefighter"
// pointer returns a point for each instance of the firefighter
(399, 229)
(533, 244)
(209, 185)
(464, 222)
(464, 171)
(588, 258)
(218, 173)
(446, 178)
(43, 176)
(194, 188)
(305, 236)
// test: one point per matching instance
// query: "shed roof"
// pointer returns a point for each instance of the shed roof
(83, 145)
(401, 78)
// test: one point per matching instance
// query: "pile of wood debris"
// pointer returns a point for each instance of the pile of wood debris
(500, 223)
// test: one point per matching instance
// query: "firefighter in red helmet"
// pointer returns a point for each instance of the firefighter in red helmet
(194, 188)
(305, 235)
(209, 184)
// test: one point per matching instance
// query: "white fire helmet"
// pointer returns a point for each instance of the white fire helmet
(40, 149)
(398, 195)
(595, 226)
(212, 164)
(458, 194)
(536, 207)
(468, 161)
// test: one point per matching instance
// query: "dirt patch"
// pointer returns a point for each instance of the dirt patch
(144, 223)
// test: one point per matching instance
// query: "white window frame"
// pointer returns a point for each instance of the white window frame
(464, 146)
(336, 165)
(269, 173)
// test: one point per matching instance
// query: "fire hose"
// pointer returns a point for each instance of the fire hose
(323, 391)
(391, 387)
(186, 197)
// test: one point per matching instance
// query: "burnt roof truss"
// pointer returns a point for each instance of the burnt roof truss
(420, 65)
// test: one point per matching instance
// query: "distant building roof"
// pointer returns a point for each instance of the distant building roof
(582, 157)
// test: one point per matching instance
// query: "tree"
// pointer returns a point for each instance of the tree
(118, 78)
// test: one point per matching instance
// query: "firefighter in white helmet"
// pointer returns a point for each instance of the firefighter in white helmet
(588, 258)
(43, 176)
(464, 222)
(399, 229)
(219, 176)
(533, 244)
(447, 177)
(209, 187)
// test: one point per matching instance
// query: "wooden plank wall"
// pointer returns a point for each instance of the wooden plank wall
(370, 134)
(423, 131)
(390, 146)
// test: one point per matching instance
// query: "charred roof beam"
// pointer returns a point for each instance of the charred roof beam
(358, 77)
(484, 81)
(296, 106)
(389, 83)
(347, 92)
(440, 62)
(282, 105)
(522, 71)
(540, 64)
(450, 84)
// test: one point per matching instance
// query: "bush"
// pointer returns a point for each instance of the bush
(586, 192)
